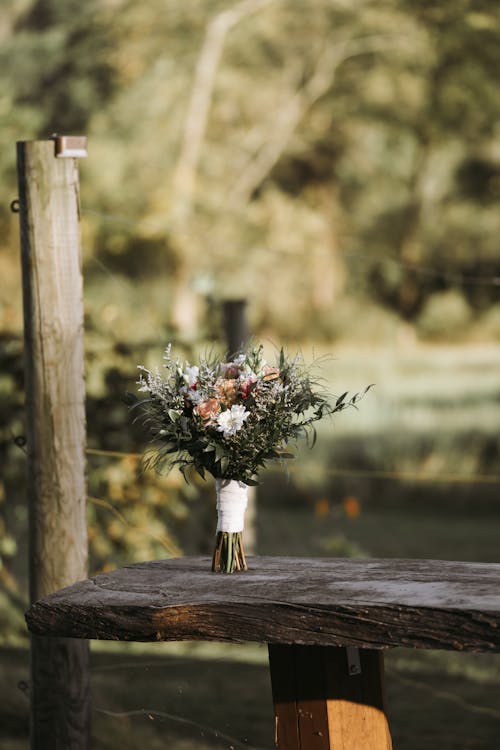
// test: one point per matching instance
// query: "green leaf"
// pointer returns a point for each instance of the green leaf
(174, 415)
(314, 436)
(130, 398)
(183, 468)
(341, 398)
(219, 452)
(272, 454)
(360, 395)
(252, 482)
(224, 463)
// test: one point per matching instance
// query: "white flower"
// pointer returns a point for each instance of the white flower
(196, 397)
(150, 381)
(231, 420)
(142, 382)
(191, 374)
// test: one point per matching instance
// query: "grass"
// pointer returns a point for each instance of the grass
(216, 696)
(381, 532)
(434, 412)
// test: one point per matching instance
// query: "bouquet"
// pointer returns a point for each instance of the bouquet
(230, 418)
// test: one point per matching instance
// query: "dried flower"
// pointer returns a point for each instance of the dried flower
(231, 418)
(226, 391)
(270, 373)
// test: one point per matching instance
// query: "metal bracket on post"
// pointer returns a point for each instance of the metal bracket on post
(353, 661)
(319, 706)
(70, 146)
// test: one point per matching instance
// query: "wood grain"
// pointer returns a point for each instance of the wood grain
(60, 694)
(319, 705)
(370, 603)
(55, 406)
(55, 392)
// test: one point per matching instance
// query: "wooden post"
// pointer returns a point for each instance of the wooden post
(237, 338)
(55, 411)
(328, 698)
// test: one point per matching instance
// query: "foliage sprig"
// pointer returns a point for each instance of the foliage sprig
(230, 418)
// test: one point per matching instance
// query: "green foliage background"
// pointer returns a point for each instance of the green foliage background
(229, 141)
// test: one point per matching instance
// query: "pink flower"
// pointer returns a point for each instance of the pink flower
(270, 373)
(246, 387)
(208, 409)
(232, 371)
(227, 391)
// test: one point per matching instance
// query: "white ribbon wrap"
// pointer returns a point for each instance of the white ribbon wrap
(232, 498)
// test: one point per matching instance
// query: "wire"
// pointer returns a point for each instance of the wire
(168, 544)
(117, 219)
(154, 714)
(112, 454)
(471, 708)
(411, 476)
(414, 476)
(458, 278)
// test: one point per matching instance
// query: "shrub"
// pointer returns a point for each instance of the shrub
(445, 315)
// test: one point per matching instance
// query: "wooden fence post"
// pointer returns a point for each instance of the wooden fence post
(237, 337)
(55, 411)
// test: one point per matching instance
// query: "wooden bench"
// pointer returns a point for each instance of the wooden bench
(327, 622)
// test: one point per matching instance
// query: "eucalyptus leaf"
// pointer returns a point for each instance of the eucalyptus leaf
(260, 420)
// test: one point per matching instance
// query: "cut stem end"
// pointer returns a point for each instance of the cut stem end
(229, 554)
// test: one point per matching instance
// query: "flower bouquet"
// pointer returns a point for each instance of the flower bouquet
(229, 418)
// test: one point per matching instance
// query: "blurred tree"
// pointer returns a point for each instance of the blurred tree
(229, 140)
(59, 61)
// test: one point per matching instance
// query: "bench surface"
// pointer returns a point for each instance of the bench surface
(332, 602)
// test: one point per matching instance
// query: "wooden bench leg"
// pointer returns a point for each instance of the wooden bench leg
(328, 698)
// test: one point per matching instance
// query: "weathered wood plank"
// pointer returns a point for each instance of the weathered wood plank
(365, 603)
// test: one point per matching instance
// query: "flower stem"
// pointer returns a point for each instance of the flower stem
(229, 555)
